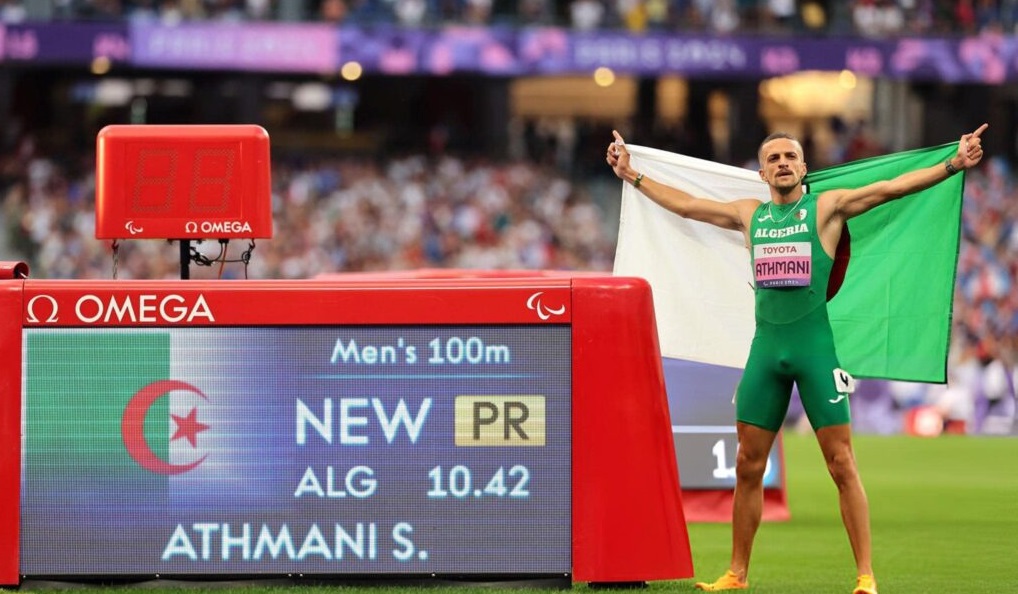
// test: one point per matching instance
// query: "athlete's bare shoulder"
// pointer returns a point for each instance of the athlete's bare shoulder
(744, 209)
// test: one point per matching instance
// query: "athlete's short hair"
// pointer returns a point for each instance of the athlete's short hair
(775, 136)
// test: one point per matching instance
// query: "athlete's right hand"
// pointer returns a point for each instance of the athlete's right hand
(618, 156)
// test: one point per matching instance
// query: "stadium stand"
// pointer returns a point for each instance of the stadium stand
(871, 18)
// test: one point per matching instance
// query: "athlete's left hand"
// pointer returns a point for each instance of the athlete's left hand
(970, 149)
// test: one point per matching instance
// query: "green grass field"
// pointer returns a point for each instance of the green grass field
(944, 519)
(944, 514)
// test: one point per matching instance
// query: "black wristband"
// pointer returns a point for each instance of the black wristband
(951, 169)
(636, 182)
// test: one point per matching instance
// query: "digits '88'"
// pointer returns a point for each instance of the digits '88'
(157, 173)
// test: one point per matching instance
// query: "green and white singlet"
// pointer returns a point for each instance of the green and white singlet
(793, 341)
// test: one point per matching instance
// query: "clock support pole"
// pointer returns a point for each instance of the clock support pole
(185, 259)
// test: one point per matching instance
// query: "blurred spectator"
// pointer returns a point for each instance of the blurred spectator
(1009, 16)
(536, 12)
(332, 11)
(780, 15)
(659, 13)
(106, 10)
(259, 10)
(814, 16)
(861, 143)
(724, 17)
(477, 12)
(12, 11)
(143, 11)
(878, 18)
(225, 10)
(410, 13)
(366, 12)
(632, 14)
(586, 15)
(964, 16)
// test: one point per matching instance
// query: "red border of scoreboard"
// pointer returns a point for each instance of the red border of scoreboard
(627, 516)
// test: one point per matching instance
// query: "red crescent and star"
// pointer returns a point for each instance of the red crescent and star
(132, 427)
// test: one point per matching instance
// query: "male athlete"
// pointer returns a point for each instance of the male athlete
(793, 240)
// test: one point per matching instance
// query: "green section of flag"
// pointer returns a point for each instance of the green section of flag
(77, 384)
(892, 316)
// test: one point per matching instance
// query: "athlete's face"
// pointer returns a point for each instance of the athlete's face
(781, 164)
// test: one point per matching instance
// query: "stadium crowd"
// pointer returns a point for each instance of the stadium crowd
(872, 18)
(417, 211)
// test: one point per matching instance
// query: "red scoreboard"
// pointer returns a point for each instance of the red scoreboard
(183, 182)
(386, 425)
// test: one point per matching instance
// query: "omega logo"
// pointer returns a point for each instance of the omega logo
(217, 227)
(92, 309)
(32, 318)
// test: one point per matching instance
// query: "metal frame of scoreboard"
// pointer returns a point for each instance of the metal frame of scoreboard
(627, 516)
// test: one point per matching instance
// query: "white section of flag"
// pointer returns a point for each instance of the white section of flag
(700, 275)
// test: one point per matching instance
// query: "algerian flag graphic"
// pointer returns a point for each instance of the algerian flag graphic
(78, 385)
(107, 431)
(892, 316)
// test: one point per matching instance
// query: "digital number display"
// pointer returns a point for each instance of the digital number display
(296, 449)
(158, 170)
(183, 182)
(703, 425)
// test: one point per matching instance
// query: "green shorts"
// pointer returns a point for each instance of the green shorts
(801, 352)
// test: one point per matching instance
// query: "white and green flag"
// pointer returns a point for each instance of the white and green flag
(891, 317)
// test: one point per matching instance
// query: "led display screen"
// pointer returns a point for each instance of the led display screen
(700, 399)
(296, 450)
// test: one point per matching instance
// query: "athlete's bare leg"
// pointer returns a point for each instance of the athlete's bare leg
(836, 445)
(747, 508)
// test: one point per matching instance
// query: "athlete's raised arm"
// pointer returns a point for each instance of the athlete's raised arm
(727, 215)
(846, 204)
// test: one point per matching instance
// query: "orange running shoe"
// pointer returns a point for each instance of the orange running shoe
(865, 585)
(729, 581)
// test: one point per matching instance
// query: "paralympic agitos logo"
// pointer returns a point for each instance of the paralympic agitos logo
(132, 427)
